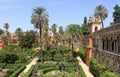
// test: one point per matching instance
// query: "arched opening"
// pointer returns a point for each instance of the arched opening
(96, 28)
(107, 44)
(103, 45)
(113, 46)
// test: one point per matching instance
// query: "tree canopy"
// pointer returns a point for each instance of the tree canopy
(116, 14)
(101, 11)
(84, 28)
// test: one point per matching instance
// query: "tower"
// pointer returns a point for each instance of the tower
(94, 24)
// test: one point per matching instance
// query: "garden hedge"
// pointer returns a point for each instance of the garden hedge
(99, 70)
(29, 73)
(18, 71)
(82, 72)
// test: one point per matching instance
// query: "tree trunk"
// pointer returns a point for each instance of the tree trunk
(41, 54)
(63, 42)
(102, 22)
(72, 46)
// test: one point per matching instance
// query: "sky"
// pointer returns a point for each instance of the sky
(61, 12)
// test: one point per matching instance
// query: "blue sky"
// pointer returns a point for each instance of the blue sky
(62, 12)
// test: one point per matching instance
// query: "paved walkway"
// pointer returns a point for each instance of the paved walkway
(33, 62)
(84, 67)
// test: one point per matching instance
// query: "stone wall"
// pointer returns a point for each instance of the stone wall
(107, 58)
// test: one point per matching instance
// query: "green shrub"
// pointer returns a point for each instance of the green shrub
(82, 72)
(28, 74)
(17, 72)
(109, 74)
(46, 70)
(82, 54)
(2, 65)
(99, 70)
(12, 69)
(9, 72)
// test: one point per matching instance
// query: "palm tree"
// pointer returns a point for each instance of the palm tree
(19, 33)
(39, 19)
(54, 29)
(45, 34)
(74, 32)
(101, 12)
(6, 26)
(61, 32)
(1, 31)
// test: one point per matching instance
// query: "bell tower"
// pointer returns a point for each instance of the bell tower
(94, 24)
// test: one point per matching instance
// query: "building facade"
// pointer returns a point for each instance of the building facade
(106, 44)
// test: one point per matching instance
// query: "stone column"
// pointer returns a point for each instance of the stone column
(102, 44)
(109, 45)
(105, 45)
(117, 46)
(114, 46)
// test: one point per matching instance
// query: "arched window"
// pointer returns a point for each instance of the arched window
(107, 44)
(103, 44)
(96, 28)
(113, 46)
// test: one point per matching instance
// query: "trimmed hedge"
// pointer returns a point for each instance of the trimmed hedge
(99, 70)
(2, 65)
(46, 70)
(82, 53)
(82, 72)
(12, 68)
(29, 73)
(18, 71)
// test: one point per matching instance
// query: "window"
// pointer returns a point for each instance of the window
(96, 28)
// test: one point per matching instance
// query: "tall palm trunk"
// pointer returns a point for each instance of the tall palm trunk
(63, 42)
(102, 21)
(72, 46)
(41, 54)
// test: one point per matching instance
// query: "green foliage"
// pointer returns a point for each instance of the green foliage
(54, 29)
(19, 33)
(46, 70)
(73, 30)
(58, 57)
(7, 56)
(17, 72)
(39, 15)
(71, 70)
(29, 73)
(82, 72)
(12, 68)
(82, 54)
(116, 14)
(84, 28)
(101, 12)
(2, 66)
(28, 39)
(99, 70)
(1, 31)
(6, 25)
(15, 54)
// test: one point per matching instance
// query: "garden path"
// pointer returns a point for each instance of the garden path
(33, 62)
(84, 67)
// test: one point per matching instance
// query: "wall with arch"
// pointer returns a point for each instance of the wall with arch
(106, 46)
